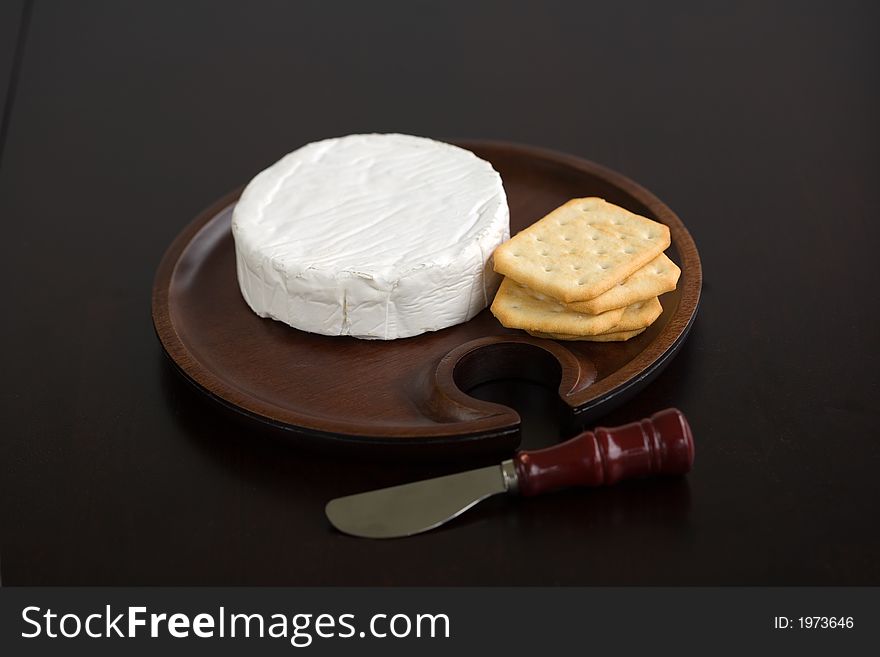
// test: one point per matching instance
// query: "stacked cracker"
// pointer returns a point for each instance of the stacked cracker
(589, 270)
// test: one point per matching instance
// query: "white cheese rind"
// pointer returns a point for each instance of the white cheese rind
(373, 236)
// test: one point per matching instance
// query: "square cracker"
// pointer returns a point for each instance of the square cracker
(581, 249)
(635, 319)
(516, 308)
(657, 277)
(614, 336)
(639, 315)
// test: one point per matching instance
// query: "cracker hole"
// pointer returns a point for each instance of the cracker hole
(548, 268)
(576, 267)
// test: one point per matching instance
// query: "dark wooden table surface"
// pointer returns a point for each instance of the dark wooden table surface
(756, 122)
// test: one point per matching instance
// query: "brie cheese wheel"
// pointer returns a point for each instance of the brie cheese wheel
(375, 236)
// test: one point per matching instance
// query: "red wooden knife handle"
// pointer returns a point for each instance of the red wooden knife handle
(659, 445)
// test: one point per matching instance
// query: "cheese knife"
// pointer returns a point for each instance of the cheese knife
(659, 445)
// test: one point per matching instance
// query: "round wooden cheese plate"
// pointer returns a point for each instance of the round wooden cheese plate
(410, 396)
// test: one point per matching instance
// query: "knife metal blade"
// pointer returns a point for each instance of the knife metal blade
(417, 507)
